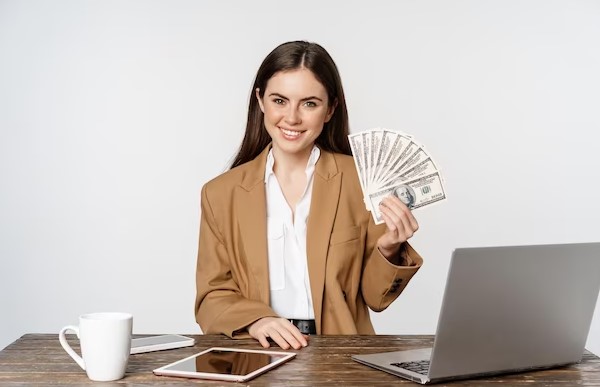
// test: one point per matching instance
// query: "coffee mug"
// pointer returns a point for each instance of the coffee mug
(105, 341)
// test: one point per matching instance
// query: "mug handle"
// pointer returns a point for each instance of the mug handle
(67, 347)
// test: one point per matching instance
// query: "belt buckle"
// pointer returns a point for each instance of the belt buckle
(303, 325)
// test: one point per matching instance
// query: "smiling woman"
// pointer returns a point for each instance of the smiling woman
(286, 246)
(291, 57)
(296, 108)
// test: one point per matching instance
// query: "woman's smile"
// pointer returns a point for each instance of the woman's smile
(290, 134)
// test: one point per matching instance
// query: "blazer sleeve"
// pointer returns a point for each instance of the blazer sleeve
(220, 306)
(382, 282)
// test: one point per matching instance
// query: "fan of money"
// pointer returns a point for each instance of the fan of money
(394, 163)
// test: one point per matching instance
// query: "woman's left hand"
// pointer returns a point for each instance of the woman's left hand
(401, 225)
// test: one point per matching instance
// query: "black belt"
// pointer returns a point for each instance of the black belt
(307, 327)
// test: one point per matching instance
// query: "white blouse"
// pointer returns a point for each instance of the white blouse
(288, 271)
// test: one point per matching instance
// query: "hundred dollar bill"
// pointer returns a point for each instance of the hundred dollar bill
(397, 144)
(415, 193)
(425, 167)
(366, 147)
(356, 146)
(398, 163)
(384, 149)
(376, 144)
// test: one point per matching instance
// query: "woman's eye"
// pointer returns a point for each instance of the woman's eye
(310, 104)
(278, 101)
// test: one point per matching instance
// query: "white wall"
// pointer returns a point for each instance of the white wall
(114, 113)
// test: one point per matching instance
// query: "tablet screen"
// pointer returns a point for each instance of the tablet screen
(225, 363)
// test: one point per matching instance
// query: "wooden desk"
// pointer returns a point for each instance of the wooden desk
(38, 359)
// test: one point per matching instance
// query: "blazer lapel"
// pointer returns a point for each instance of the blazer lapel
(251, 210)
(324, 202)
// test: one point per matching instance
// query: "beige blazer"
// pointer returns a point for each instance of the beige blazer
(348, 275)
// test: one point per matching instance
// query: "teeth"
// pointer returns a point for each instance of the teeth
(290, 132)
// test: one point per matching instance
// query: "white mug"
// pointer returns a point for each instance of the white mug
(105, 340)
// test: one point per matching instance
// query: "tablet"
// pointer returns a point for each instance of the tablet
(159, 343)
(230, 364)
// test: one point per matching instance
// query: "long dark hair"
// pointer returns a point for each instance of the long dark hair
(292, 56)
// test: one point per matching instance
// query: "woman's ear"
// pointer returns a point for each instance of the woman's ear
(330, 111)
(260, 102)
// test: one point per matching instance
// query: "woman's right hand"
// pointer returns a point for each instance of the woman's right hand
(280, 330)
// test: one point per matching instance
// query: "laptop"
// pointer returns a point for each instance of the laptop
(506, 309)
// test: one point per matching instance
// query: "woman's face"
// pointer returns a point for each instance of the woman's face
(296, 107)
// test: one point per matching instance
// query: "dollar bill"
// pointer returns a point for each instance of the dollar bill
(376, 148)
(425, 167)
(398, 143)
(356, 146)
(366, 145)
(399, 162)
(415, 193)
(394, 163)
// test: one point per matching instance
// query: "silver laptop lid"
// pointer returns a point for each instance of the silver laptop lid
(518, 307)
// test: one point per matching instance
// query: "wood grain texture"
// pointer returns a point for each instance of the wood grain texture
(38, 359)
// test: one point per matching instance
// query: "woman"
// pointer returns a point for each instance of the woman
(287, 247)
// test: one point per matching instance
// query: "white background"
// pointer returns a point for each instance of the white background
(113, 114)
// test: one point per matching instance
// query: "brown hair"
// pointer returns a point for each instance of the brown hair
(291, 56)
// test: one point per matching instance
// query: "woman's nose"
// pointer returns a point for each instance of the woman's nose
(292, 116)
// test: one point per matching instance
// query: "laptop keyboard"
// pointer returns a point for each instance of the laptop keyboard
(420, 367)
